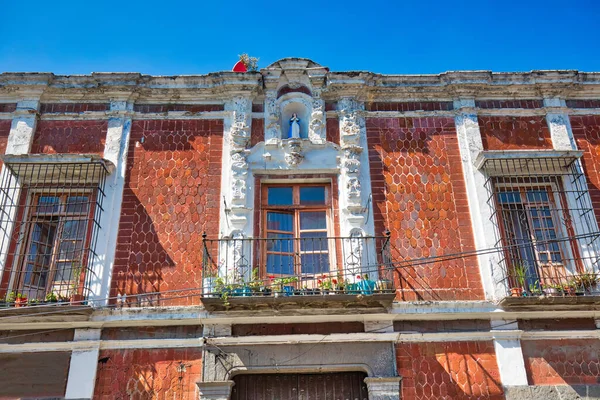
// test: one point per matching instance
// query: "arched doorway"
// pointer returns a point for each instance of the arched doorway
(326, 386)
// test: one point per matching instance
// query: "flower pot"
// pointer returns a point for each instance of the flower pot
(21, 302)
(551, 292)
(266, 291)
(366, 286)
(288, 290)
(352, 288)
(77, 300)
(516, 292)
(385, 286)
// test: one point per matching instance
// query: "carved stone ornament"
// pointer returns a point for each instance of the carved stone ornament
(353, 187)
(351, 160)
(293, 153)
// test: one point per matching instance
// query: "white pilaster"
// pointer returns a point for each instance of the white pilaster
(470, 145)
(509, 355)
(387, 388)
(83, 367)
(19, 142)
(115, 150)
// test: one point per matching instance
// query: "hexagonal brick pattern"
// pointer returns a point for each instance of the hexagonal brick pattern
(86, 137)
(562, 362)
(171, 196)
(514, 133)
(148, 374)
(451, 370)
(586, 130)
(419, 195)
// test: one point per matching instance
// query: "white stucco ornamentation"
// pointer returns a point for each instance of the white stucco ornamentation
(293, 152)
(272, 133)
(239, 139)
(316, 127)
(351, 127)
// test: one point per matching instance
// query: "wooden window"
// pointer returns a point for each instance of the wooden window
(57, 232)
(531, 228)
(297, 229)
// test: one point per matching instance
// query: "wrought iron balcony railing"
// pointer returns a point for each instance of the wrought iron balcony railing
(286, 266)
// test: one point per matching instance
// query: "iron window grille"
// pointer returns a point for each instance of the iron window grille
(545, 224)
(50, 211)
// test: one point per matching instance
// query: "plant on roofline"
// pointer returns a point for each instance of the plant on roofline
(250, 62)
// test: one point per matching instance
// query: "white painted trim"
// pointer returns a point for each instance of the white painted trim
(361, 337)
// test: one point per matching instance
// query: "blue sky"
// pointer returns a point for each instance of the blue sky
(196, 37)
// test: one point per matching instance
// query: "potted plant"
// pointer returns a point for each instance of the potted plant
(551, 289)
(327, 284)
(569, 288)
(534, 289)
(20, 300)
(385, 285)
(51, 298)
(520, 278)
(11, 298)
(284, 286)
(587, 281)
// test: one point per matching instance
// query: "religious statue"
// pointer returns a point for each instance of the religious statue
(294, 131)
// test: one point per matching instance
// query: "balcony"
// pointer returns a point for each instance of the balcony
(291, 273)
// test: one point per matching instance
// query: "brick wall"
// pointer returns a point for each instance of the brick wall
(514, 133)
(509, 103)
(420, 196)
(72, 107)
(410, 106)
(257, 133)
(560, 362)
(452, 370)
(53, 137)
(332, 126)
(586, 130)
(324, 328)
(4, 132)
(171, 196)
(148, 374)
(8, 107)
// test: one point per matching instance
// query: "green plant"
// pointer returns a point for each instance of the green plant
(51, 297)
(520, 274)
(250, 62)
(586, 280)
(255, 282)
(76, 275)
(534, 288)
(284, 281)
(11, 297)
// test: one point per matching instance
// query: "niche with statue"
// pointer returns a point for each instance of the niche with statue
(295, 118)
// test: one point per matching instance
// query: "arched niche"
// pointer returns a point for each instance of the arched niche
(301, 105)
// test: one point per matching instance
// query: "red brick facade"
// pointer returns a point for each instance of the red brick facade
(452, 370)
(53, 137)
(148, 374)
(4, 132)
(171, 197)
(586, 130)
(420, 196)
(333, 130)
(411, 106)
(509, 103)
(72, 107)
(514, 133)
(560, 362)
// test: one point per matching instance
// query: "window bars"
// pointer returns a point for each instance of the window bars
(266, 266)
(545, 225)
(49, 221)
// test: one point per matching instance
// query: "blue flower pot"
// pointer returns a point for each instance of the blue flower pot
(352, 288)
(366, 286)
(288, 290)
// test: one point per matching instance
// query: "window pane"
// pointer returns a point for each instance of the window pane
(315, 263)
(280, 221)
(74, 229)
(313, 220)
(280, 264)
(281, 242)
(509, 197)
(314, 241)
(66, 271)
(48, 204)
(280, 196)
(537, 196)
(77, 204)
(312, 195)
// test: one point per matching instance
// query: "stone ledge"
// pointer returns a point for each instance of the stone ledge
(551, 303)
(559, 392)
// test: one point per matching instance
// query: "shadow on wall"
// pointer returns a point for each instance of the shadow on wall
(457, 370)
(168, 199)
(420, 196)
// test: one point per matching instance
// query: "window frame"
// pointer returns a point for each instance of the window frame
(31, 217)
(296, 209)
(558, 211)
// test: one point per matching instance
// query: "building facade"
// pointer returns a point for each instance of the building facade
(297, 233)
